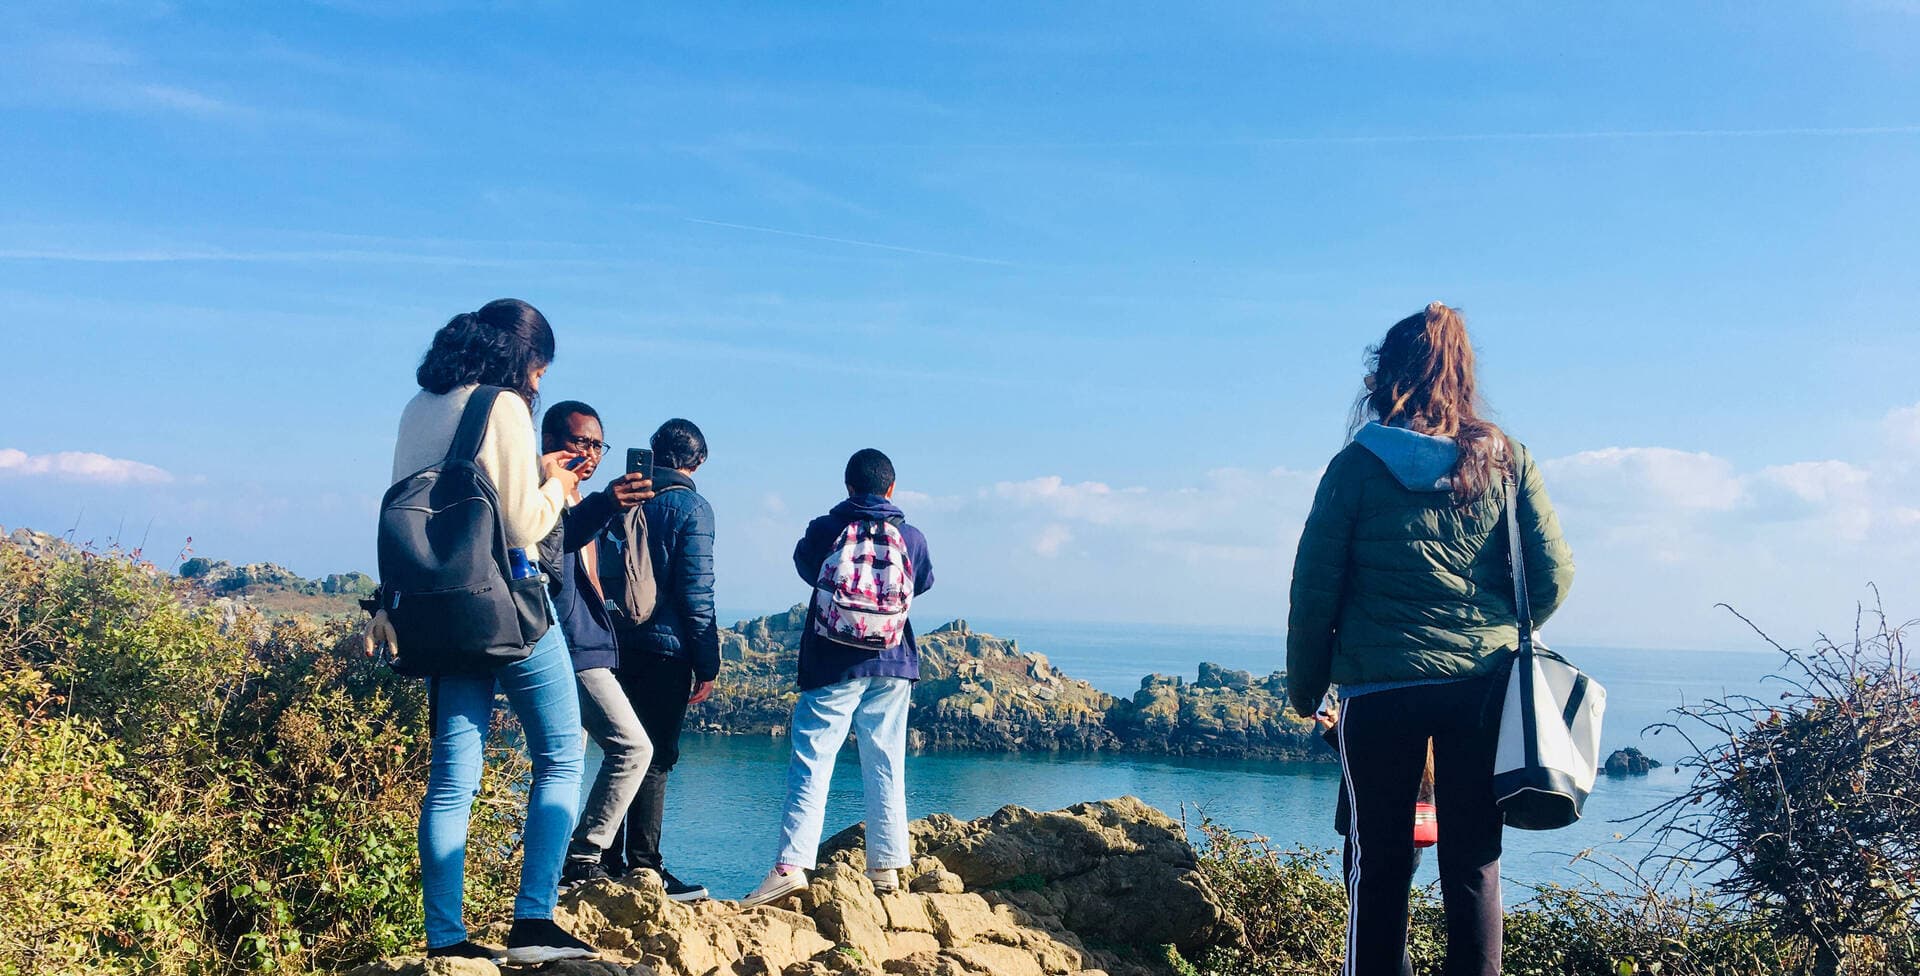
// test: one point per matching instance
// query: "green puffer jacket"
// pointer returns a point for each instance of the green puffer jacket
(1394, 583)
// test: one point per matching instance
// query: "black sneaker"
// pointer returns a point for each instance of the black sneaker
(466, 950)
(577, 873)
(533, 941)
(679, 890)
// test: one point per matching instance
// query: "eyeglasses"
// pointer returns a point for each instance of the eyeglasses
(588, 445)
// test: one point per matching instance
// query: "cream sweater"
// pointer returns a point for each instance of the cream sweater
(509, 454)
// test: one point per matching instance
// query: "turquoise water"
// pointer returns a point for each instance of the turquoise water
(724, 803)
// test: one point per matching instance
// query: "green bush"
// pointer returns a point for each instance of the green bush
(186, 787)
(1295, 915)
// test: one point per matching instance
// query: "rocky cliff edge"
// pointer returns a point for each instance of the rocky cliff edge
(1097, 888)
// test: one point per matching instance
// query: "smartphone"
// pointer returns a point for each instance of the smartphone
(1327, 705)
(574, 465)
(640, 461)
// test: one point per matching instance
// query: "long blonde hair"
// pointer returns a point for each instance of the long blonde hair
(1423, 379)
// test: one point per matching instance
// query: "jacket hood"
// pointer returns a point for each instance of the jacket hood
(1421, 462)
(670, 478)
(867, 507)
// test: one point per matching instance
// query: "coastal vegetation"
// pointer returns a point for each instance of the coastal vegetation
(189, 784)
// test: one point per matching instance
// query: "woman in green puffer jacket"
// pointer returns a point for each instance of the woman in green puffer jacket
(1402, 597)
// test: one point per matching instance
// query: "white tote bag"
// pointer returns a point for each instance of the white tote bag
(1549, 748)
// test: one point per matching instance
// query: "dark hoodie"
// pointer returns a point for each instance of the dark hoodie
(824, 662)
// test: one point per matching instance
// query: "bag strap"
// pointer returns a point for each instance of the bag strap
(473, 424)
(1517, 559)
(894, 520)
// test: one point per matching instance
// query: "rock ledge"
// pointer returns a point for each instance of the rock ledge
(1097, 888)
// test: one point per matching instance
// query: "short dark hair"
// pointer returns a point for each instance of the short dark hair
(869, 472)
(553, 425)
(679, 444)
(502, 344)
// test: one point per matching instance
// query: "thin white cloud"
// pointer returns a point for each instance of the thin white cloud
(1819, 482)
(181, 99)
(169, 254)
(1656, 477)
(98, 74)
(1903, 428)
(79, 466)
(1051, 540)
(849, 241)
(1385, 138)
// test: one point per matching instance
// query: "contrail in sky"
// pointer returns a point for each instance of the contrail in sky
(1409, 137)
(844, 240)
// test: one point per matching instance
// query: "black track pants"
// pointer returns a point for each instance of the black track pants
(1383, 751)
(658, 688)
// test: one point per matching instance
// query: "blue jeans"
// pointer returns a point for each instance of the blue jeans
(541, 691)
(876, 710)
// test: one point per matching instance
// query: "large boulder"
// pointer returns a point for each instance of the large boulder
(1117, 872)
(1093, 890)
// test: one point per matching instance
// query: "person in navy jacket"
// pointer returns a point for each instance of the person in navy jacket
(669, 662)
(844, 687)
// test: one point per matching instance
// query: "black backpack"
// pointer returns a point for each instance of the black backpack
(445, 578)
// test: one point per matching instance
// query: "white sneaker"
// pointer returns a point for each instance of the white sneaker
(885, 880)
(775, 886)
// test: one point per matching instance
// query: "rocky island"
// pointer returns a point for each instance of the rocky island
(981, 692)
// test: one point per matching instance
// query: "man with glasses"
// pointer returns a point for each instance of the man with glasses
(605, 710)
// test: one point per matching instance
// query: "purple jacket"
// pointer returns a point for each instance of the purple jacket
(824, 662)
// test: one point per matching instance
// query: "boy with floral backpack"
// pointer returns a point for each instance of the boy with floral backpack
(858, 663)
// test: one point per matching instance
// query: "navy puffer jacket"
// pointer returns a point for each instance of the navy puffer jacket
(680, 533)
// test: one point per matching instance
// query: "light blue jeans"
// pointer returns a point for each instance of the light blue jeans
(541, 690)
(876, 710)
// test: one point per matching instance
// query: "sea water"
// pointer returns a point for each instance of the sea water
(724, 801)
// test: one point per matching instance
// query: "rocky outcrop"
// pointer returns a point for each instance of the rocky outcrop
(1117, 872)
(978, 691)
(276, 589)
(1630, 762)
(1095, 888)
(986, 693)
(1224, 713)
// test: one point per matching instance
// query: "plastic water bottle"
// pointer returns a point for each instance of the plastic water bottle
(519, 566)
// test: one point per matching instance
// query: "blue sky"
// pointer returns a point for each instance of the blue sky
(1099, 277)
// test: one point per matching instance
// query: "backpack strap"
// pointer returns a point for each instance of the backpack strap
(473, 424)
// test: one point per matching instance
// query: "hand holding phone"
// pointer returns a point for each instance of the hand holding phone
(629, 490)
(1328, 713)
(559, 464)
